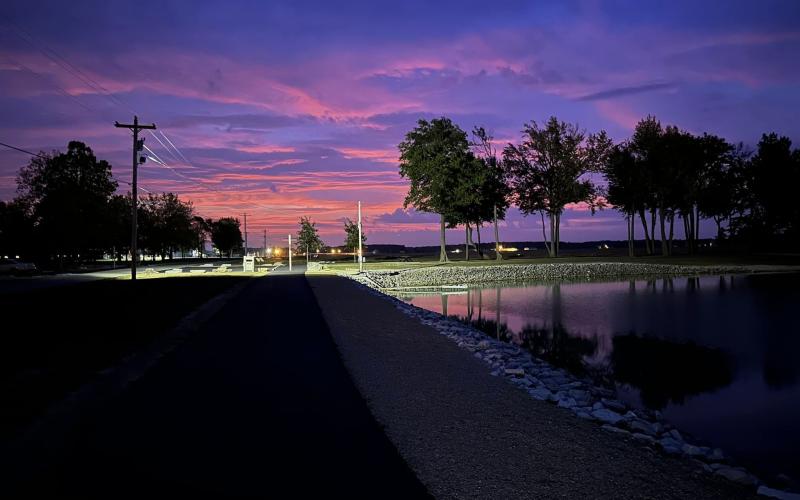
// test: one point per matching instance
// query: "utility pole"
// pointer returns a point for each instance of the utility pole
(290, 252)
(265, 243)
(137, 159)
(245, 233)
(360, 258)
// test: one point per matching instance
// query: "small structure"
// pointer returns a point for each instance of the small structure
(249, 263)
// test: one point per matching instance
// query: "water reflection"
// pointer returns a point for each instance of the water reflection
(665, 371)
(717, 354)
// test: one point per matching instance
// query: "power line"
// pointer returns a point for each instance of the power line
(23, 150)
(76, 72)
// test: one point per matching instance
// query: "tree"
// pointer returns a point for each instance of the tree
(495, 190)
(467, 201)
(226, 235)
(623, 175)
(643, 146)
(118, 225)
(16, 228)
(201, 230)
(308, 237)
(770, 212)
(434, 156)
(351, 236)
(68, 193)
(723, 194)
(547, 170)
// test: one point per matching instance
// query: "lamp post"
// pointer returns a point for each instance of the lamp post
(360, 258)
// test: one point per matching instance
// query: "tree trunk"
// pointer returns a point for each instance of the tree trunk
(478, 246)
(631, 226)
(544, 236)
(552, 235)
(653, 231)
(647, 247)
(671, 232)
(558, 235)
(498, 256)
(466, 242)
(687, 231)
(442, 242)
(664, 248)
(697, 224)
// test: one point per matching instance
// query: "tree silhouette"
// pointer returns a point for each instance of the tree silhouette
(435, 157)
(67, 194)
(308, 239)
(547, 170)
(226, 235)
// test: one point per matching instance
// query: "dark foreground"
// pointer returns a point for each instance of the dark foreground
(257, 403)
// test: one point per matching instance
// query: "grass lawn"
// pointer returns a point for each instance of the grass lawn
(55, 339)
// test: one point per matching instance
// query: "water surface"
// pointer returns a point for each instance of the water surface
(718, 355)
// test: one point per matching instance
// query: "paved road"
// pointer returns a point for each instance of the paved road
(258, 403)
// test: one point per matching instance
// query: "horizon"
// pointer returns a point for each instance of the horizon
(285, 111)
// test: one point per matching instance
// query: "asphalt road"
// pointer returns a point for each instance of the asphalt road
(257, 403)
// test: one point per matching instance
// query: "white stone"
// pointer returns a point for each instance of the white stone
(736, 475)
(773, 493)
(606, 415)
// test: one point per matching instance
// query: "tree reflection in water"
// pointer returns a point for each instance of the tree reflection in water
(663, 371)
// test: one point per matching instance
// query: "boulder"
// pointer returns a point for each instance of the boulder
(607, 416)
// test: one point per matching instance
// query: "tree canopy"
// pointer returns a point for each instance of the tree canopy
(308, 239)
(226, 235)
(547, 170)
(435, 156)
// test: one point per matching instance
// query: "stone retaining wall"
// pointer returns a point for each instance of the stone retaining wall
(465, 275)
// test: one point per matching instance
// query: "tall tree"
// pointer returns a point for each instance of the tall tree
(351, 236)
(548, 168)
(644, 147)
(495, 189)
(721, 195)
(226, 235)
(434, 156)
(308, 239)
(118, 225)
(16, 229)
(623, 174)
(67, 193)
(201, 231)
(771, 178)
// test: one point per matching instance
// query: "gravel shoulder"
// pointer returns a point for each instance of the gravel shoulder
(467, 434)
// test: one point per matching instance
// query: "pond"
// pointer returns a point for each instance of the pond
(719, 356)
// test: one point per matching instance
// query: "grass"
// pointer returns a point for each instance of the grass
(56, 339)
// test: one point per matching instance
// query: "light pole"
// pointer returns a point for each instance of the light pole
(360, 258)
(290, 252)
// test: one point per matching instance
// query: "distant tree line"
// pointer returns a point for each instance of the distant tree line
(67, 211)
(659, 176)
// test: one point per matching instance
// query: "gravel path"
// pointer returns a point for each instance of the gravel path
(467, 434)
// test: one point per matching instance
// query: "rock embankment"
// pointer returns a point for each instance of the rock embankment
(465, 275)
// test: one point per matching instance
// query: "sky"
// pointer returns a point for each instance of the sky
(288, 109)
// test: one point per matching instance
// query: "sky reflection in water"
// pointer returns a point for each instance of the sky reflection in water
(717, 354)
